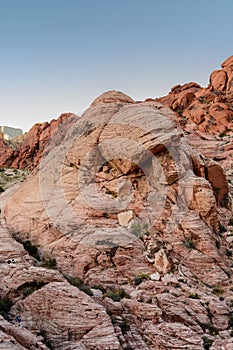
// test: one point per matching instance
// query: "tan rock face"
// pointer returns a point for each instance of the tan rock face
(112, 96)
(44, 312)
(125, 218)
(12, 337)
(161, 262)
(121, 162)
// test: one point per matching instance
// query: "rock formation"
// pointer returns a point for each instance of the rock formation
(121, 237)
(211, 108)
(28, 152)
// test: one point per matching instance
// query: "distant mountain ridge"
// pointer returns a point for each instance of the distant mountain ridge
(9, 132)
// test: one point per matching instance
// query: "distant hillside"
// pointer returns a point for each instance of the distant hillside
(10, 133)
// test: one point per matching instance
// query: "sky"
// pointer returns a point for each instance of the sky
(59, 55)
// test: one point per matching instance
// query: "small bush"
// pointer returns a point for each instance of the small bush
(228, 252)
(207, 342)
(140, 278)
(194, 296)
(78, 283)
(222, 134)
(149, 300)
(31, 249)
(27, 291)
(124, 325)
(231, 221)
(188, 243)
(203, 99)
(222, 228)
(116, 294)
(49, 264)
(99, 287)
(165, 291)
(140, 230)
(5, 305)
(29, 287)
(217, 291)
(208, 326)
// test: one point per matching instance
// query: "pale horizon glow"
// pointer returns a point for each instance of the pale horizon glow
(57, 56)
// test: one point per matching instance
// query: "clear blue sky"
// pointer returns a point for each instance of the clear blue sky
(58, 55)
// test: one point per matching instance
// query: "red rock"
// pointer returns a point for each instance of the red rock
(29, 153)
(126, 157)
(209, 108)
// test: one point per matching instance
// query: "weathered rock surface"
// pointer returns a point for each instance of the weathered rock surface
(12, 337)
(29, 153)
(122, 194)
(209, 108)
(68, 317)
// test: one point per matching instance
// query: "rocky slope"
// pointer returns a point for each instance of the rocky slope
(121, 236)
(211, 108)
(27, 152)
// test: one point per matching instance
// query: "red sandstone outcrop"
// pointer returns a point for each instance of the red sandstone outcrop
(210, 108)
(122, 200)
(29, 153)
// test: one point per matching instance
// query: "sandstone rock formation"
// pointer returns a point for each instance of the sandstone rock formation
(210, 108)
(28, 153)
(126, 208)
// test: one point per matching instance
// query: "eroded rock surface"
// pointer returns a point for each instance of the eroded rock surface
(119, 196)
(210, 109)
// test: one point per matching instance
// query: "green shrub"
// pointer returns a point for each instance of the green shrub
(165, 291)
(222, 134)
(222, 228)
(30, 287)
(217, 291)
(124, 325)
(31, 249)
(140, 278)
(188, 243)
(5, 305)
(228, 252)
(208, 326)
(194, 296)
(78, 283)
(98, 286)
(203, 99)
(140, 230)
(116, 294)
(49, 264)
(207, 342)
(231, 221)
